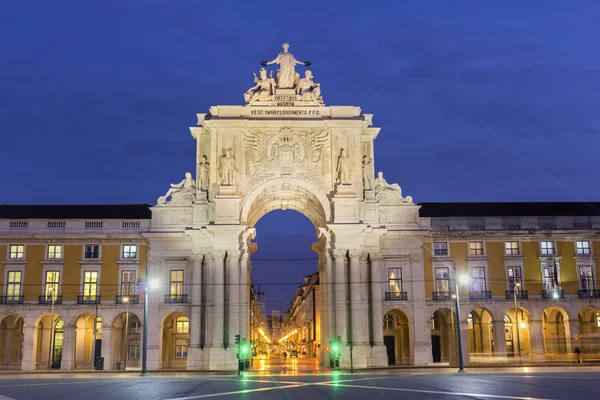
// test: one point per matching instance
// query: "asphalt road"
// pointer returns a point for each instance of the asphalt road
(539, 383)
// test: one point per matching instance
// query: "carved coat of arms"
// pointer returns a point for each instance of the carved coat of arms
(286, 153)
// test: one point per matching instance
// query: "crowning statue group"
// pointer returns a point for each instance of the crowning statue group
(286, 77)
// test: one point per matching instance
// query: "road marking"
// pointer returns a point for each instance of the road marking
(493, 396)
(204, 396)
(6, 398)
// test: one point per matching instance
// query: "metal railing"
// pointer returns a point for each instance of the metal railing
(176, 298)
(11, 299)
(132, 299)
(480, 294)
(589, 293)
(48, 300)
(88, 299)
(553, 293)
(521, 294)
(438, 296)
(395, 296)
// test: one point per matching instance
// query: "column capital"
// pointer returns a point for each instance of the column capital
(339, 254)
(217, 255)
(416, 257)
(364, 256)
(375, 257)
(354, 254)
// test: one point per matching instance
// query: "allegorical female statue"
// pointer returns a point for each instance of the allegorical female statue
(287, 67)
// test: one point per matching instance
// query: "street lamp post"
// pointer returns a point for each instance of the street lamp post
(515, 289)
(461, 367)
(51, 291)
(126, 300)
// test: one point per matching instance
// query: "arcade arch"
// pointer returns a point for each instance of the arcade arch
(589, 332)
(11, 340)
(397, 338)
(516, 332)
(443, 338)
(555, 330)
(175, 341)
(85, 348)
(481, 333)
(49, 328)
(126, 341)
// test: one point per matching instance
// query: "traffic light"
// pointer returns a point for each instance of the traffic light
(245, 349)
(237, 339)
(339, 339)
(327, 348)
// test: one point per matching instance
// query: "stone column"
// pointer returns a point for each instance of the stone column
(68, 353)
(107, 346)
(195, 313)
(29, 348)
(331, 311)
(155, 297)
(499, 339)
(325, 333)
(340, 295)
(421, 328)
(232, 266)
(571, 336)
(218, 299)
(244, 283)
(536, 340)
(377, 317)
(358, 303)
(464, 335)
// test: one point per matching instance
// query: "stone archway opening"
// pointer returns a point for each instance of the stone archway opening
(481, 335)
(443, 336)
(396, 337)
(588, 339)
(126, 341)
(49, 337)
(517, 332)
(284, 214)
(11, 341)
(88, 340)
(555, 331)
(175, 341)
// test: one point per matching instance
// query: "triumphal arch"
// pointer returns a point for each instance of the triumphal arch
(285, 148)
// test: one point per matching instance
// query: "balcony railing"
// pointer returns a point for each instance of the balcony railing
(396, 296)
(553, 293)
(88, 299)
(48, 300)
(176, 298)
(589, 294)
(521, 294)
(439, 296)
(131, 299)
(11, 299)
(480, 294)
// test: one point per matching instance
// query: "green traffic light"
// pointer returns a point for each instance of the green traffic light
(335, 348)
(244, 349)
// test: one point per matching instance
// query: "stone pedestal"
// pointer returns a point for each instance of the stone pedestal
(345, 203)
(28, 362)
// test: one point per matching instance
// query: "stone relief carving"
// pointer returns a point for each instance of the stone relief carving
(262, 89)
(204, 173)
(183, 192)
(389, 194)
(308, 89)
(295, 154)
(344, 168)
(366, 173)
(227, 168)
(287, 77)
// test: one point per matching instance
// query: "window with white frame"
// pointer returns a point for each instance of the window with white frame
(395, 280)
(13, 285)
(176, 284)
(586, 278)
(182, 325)
(134, 348)
(475, 248)
(130, 251)
(440, 248)
(128, 283)
(514, 277)
(90, 285)
(511, 248)
(442, 280)
(16, 252)
(478, 285)
(55, 251)
(134, 325)
(51, 285)
(388, 322)
(583, 247)
(181, 348)
(92, 251)
(548, 277)
(547, 248)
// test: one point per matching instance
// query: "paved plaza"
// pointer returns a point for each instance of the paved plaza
(290, 383)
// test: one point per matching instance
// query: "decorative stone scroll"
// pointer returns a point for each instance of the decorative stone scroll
(389, 194)
(181, 193)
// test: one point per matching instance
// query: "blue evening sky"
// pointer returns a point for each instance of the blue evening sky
(477, 100)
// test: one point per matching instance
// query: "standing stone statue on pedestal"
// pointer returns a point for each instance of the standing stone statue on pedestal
(286, 75)
(344, 168)
(228, 169)
(204, 173)
(367, 175)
